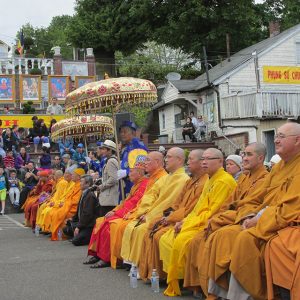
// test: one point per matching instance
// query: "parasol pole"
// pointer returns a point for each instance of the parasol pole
(86, 151)
(118, 153)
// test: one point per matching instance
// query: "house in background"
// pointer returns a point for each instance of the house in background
(4, 48)
(247, 98)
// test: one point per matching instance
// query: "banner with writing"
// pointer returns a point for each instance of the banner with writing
(25, 120)
(281, 74)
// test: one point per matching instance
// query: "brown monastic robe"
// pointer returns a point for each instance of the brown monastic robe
(183, 205)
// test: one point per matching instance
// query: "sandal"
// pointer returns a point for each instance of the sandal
(102, 264)
(92, 260)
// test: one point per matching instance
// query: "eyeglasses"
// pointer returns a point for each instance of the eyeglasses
(209, 158)
(280, 136)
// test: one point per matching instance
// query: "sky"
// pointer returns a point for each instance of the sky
(15, 13)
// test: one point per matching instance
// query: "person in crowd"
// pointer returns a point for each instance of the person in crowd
(6, 110)
(66, 208)
(234, 165)
(278, 205)
(197, 259)
(100, 240)
(64, 187)
(67, 162)
(44, 186)
(174, 243)
(14, 188)
(57, 164)
(131, 145)
(2, 152)
(81, 226)
(8, 139)
(66, 146)
(188, 130)
(30, 135)
(154, 166)
(3, 189)
(200, 129)
(194, 120)
(53, 144)
(79, 157)
(40, 134)
(9, 162)
(21, 161)
(181, 207)
(52, 122)
(30, 181)
(101, 157)
(162, 150)
(94, 162)
(45, 158)
(16, 137)
(54, 108)
(275, 159)
(166, 192)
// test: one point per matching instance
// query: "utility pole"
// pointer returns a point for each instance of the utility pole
(206, 65)
(228, 46)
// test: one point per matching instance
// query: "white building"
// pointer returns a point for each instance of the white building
(247, 98)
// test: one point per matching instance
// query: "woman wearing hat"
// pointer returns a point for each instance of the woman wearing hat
(109, 189)
(234, 165)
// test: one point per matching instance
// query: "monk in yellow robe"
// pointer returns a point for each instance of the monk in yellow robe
(165, 192)
(63, 189)
(174, 243)
(199, 248)
(68, 208)
(183, 205)
(282, 259)
(280, 208)
(154, 163)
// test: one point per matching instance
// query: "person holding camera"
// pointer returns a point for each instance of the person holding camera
(109, 189)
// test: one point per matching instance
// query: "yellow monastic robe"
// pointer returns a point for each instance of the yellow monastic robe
(247, 257)
(173, 248)
(183, 205)
(118, 226)
(60, 189)
(60, 214)
(45, 225)
(198, 252)
(165, 192)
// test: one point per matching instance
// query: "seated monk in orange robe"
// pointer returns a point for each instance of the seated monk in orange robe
(67, 209)
(99, 246)
(43, 187)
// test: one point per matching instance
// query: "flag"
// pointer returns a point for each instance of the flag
(20, 46)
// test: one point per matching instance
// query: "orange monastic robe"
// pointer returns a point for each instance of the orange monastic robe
(180, 209)
(281, 210)
(282, 259)
(68, 210)
(117, 226)
(199, 249)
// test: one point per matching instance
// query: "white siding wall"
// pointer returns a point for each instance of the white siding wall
(170, 120)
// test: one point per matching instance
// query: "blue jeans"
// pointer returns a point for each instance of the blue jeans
(37, 139)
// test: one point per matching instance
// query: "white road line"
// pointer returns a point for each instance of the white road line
(14, 221)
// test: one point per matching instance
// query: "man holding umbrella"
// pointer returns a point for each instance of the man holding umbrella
(132, 147)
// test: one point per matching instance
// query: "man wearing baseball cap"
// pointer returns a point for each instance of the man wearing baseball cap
(79, 156)
(130, 142)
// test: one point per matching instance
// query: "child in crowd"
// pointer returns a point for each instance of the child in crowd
(3, 188)
(14, 192)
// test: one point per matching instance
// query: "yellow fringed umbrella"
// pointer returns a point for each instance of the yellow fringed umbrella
(82, 127)
(100, 96)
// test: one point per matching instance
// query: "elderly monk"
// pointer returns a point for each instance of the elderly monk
(63, 187)
(183, 205)
(68, 208)
(199, 248)
(44, 186)
(58, 174)
(154, 166)
(99, 246)
(280, 207)
(282, 259)
(174, 243)
(165, 193)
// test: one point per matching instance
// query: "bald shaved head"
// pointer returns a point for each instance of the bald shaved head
(291, 128)
(153, 162)
(216, 152)
(157, 156)
(259, 148)
(212, 160)
(198, 153)
(175, 159)
(179, 152)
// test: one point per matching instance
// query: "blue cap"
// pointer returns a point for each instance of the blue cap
(99, 143)
(128, 124)
(80, 146)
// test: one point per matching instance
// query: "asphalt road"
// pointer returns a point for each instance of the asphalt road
(35, 268)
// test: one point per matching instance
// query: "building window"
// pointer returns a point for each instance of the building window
(163, 121)
(298, 52)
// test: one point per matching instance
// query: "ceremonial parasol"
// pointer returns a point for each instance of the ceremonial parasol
(100, 96)
(82, 127)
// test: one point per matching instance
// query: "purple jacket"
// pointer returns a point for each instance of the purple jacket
(20, 162)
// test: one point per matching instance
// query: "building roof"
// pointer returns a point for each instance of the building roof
(187, 85)
(244, 55)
